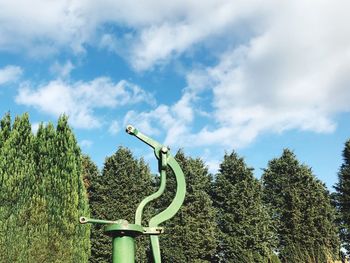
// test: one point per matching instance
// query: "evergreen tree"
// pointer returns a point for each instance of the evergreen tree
(5, 129)
(42, 194)
(99, 243)
(90, 172)
(342, 198)
(191, 235)
(44, 154)
(245, 225)
(125, 181)
(68, 199)
(62, 194)
(17, 177)
(302, 211)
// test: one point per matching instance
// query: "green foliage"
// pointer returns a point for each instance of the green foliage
(114, 195)
(342, 197)
(274, 259)
(191, 235)
(245, 225)
(68, 193)
(45, 183)
(17, 176)
(42, 194)
(302, 212)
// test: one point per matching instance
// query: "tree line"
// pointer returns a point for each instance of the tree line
(42, 194)
(287, 215)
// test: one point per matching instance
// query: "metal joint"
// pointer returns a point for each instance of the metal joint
(153, 230)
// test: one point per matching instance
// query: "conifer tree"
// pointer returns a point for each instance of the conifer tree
(5, 128)
(245, 225)
(42, 194)
(90, 172)
(17, 177)
(62, 193)
(44, 155)
(91, 176)
(124, 182)
(191, 235)
(68, 199)
(302, 211)
(342, 198)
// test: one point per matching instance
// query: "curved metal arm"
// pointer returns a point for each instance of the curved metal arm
(172, 209)
(179, 198)
(165, 159)
(144, 202)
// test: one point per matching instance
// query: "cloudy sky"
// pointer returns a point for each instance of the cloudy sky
(206, 76)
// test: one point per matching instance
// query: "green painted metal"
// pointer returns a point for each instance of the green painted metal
(153, 230)
(84, 220)
(123, 237)
(165, 159)
(144, 202)
(154, 144)
(124, 227)
(179, 196)
(123, 234)
(155, 249)
(123, 249)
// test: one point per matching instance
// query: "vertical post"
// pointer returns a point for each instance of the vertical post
(123, 249)
(123, 240)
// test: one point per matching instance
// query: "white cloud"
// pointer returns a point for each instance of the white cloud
(9, 74)
(210, 159)
(114, 127)
(292, 73)
(213, 165)
(80, 100)
(40, 27)
(195, 22)
(62, 70)
(281, 65)
(174, 119)
(290, 77)
(158, 30)
(85, 143)
(35, 127)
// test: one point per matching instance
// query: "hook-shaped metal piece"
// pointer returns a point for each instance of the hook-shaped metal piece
(165, 159)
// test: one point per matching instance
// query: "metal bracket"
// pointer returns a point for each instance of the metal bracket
(153, 230)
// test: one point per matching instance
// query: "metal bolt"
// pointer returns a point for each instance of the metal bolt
(129, 129)
(164, 149)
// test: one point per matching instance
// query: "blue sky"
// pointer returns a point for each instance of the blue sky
(205, 76)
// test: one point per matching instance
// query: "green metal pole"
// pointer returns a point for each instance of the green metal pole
(123, 234)
(123, 249)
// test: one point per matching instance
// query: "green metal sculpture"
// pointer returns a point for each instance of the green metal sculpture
(122, 232)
